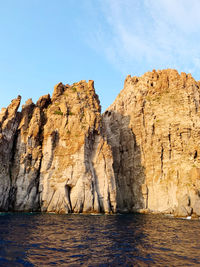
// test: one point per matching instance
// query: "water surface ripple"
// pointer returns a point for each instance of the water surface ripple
(119, 240)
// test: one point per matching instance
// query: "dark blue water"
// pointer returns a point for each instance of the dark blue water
(118, 240)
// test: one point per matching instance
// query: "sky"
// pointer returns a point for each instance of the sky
(44, 42)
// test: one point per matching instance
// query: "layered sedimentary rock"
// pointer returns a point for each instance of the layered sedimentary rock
(61, 155)
(154, 129)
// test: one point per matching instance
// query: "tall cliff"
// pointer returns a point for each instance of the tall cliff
(9, 120)
(153, 127)
(61, 155)
(53, 155)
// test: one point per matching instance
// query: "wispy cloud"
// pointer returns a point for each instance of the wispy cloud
(137, 36)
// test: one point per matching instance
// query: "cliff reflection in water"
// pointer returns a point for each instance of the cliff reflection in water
(48, 239)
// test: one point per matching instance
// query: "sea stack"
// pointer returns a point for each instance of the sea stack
(156, 121)
(61, 155)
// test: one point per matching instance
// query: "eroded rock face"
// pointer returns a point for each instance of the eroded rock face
(27, 156)
(161, 157)
(9, 119)
(76, 172)
(127, 166)
(61, 155)
(54, 157)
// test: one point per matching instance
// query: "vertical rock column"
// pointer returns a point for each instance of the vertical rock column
(27, 156)
(76, 175)
(9, 120)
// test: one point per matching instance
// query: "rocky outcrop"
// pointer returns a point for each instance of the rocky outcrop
(27, 156)
(9, 119)
(127, 166)
(56, 157)
(76, 171)
(61, 155)
(158, 137)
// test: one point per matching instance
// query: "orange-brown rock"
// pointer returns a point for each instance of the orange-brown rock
(156, 120)
(143, 154)
(57, 159)
(73, 176)
(27, 156)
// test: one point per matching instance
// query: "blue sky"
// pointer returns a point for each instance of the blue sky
(44, 42)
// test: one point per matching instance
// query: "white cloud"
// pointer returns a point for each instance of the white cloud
(137, 36)
(182, 14)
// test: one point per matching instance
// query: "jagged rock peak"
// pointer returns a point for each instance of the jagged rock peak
(159, 74)
(143, 154)
(58, 155)
(9, 120)
(79, 88)
(71, 137)
(11, 109)
(44, 101)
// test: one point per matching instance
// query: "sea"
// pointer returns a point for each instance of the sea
(37, 239)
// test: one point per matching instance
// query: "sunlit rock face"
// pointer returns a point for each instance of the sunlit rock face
(27, 156)
(76, 172)
(156, 122)
(61, 155)
(54, 156)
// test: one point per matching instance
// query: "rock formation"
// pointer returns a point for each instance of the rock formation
(55, 157)
(156, 120)
(61, 155)
(76, 172)
(9, 119)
